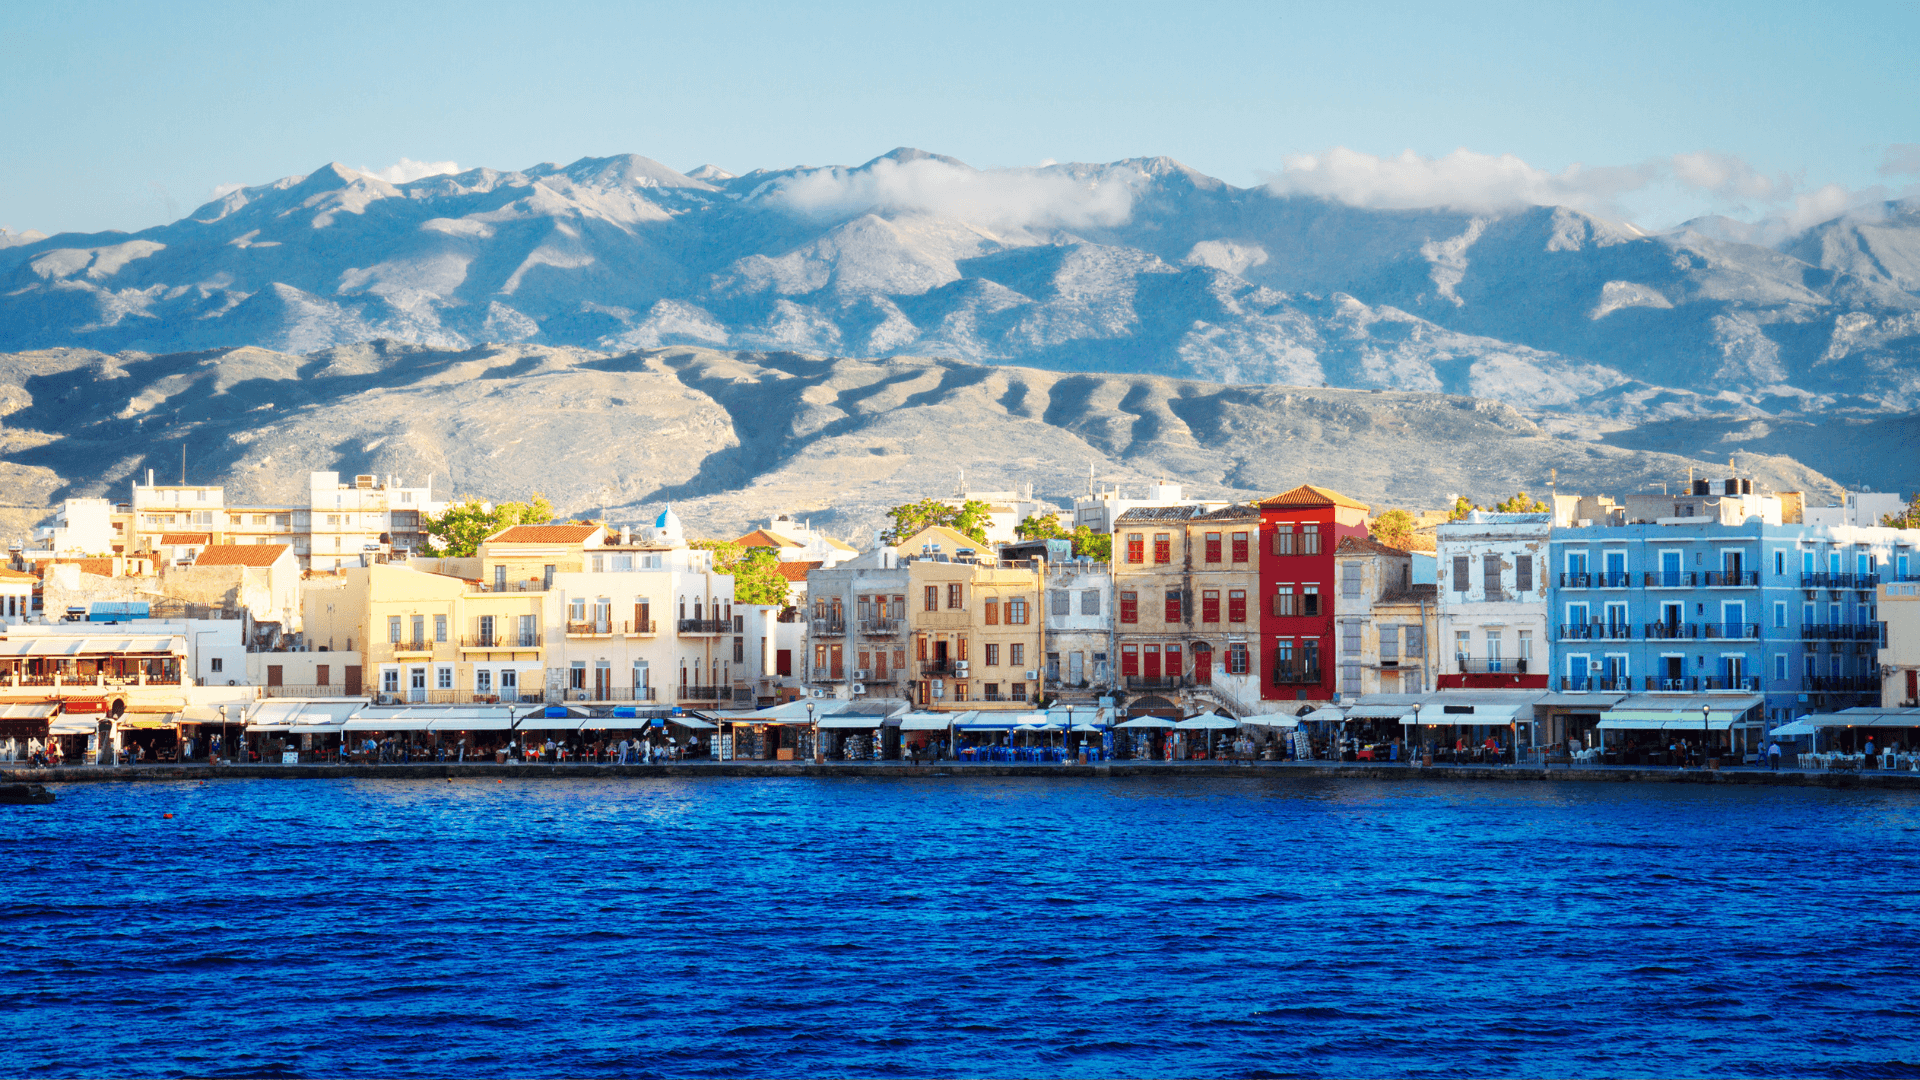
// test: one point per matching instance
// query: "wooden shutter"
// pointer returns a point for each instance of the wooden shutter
(1462, 581)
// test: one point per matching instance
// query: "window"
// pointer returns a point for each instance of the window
(1779, 612)
(1237, 658)
(1490, 571)
(1350, 579)
(393, 629)
(1210, 605)
(1017, 654)
(1017, 611)
(1780, 664)
(439, 628)
(443, 677)
(1172, 611)
(1283, 540)
(1239, 547)
(1284, 602)
(1213, 547)
(216, 664)
(1414, 641)
(1236, 605)
(993, 654)
(529, 630)
(482, 681)
(1461, 582)
(1130, 660)
(1090, 602)
(1309, 599)
(1779, 564)
(499, 579)
(953, 595)
(933, 598)
(390, 680)
(1310, 540)
(1463, 643)
(1129, 607)
(1060, 603)
(1526, 645)
(1523, 574)
(1162, 548)
(1136, 548)
(1389, 644)
(993, 612)
(1018, 692)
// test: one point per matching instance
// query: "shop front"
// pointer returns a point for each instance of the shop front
(926, 736)
(639, 734)
(1678, 730)
(1143, 738)
(26, 736)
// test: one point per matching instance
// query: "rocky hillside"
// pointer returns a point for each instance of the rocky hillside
(1139, 267)
(731, 437)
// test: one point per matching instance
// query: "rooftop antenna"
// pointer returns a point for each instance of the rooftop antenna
(183, 464)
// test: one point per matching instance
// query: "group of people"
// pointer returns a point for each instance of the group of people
(649, 750)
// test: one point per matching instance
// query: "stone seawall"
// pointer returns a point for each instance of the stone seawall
(1897, 781)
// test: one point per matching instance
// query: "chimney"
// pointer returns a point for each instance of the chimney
(626, 535)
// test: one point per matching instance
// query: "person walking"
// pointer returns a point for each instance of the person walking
(1773, 756)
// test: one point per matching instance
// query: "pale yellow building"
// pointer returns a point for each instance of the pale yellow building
(975, 627)
(1900, 656)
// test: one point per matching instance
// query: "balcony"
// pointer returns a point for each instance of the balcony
(1490, 665)
(530, 585)
(416, 647)
(1839, 632)
(995, 695)
(1661, 631)
(1582, 684)
(1749, 683)
(1840, 684)
(827, 674)
(1732, 579)
(881, 627)
(1733, 631)
(1670, 579)
(705, 693)
(1157, 682)
(309, 691)
(1576, 581)
(937, 669)
(1671, 684)
(1595, 631)
(647, 628)
(705, 626)
(827, 627)
(1293, 675)
(1618, 579)
(501, 641)
(592, 628)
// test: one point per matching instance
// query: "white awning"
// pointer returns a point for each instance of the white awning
(692, 722)
(72, 725)
(1145, 722)
(1866, 717)
(386, 723)
(540, 721)
(1208, 722)
(1275, 721)
(926, 721)
(982, 719)
(1667, 722)
(1799, 729)
(274, 713)
(851, 722)
(146, 646)
(23, 710)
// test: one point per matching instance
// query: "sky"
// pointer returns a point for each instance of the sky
(125, 116)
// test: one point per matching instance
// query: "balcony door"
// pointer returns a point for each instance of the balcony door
(1733, 618)
(1673, 672)
(1150, 663)
(1670, 568)
(1203, 664)
(417, 685)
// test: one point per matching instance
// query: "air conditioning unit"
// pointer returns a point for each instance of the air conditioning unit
(859, 688)
(1032, 675)
(960, 668)
(860, 675)
(939, 688)
(1593, 665)
(817, 692)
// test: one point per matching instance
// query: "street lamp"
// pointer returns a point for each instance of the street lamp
(1706, 730)
(813, 727)
(1417, 733)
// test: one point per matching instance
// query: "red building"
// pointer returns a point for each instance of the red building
(1298, 531)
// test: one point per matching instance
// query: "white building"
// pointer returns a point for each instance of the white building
(1079, 628)
(1098, 510)
(331, 527)
(1491, 575)
(1006, 509)
(794, 540)
(82, 527)
(1861, 508)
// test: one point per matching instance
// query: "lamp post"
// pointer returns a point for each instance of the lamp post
(1418, 734)
(1706, 730)
(813, 726)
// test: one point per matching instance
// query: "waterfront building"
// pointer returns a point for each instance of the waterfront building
(1186, 581)
(1078, 608)
(1300, 529)
(857, 627)
(1385, 619)
(976, 631)
(1900, 641)
(1702, 604)
(1492, 577)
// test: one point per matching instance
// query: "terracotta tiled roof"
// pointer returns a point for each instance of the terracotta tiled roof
(796, 571)
(543, 534)
(832, 543)
(1309, 495)
(184, 539)
(241, 555)
(16, 575)
(763, 538)
(1365, 545)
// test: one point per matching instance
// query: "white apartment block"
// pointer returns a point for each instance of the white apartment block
(330, 528)
(1493, 595)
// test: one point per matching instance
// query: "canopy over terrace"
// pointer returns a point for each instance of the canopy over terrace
(295, 716)
(927, 721)
(117, 659)
(1865, 716)
(1665, 712)
(434, 718)
(1449, 707)
(31, 720)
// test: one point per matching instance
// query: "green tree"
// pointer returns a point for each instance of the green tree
(1461, 508)
(457, 533)
(1522, 503)
(1906, 519)
(1394, 527)
(969, 518)
(755, 571)
(1093, 545)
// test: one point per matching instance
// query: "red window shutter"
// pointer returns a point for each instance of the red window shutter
(1173, 662)
(1130, 660)
(1136, 548)
(783, 662)
(1130, 607)
(1173, 605)
(1162, 548)
(1213, 547)
(1239, 547)
(1237, 605)
(1210, 606)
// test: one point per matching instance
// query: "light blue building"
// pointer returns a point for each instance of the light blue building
(1688, 605)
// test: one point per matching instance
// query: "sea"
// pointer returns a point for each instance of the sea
(961, 926)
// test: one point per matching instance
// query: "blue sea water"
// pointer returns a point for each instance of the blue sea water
(964, 927)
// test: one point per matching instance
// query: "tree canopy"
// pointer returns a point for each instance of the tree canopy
(1093, 545)
(1522, 503)
(457, 533)
(1905, 519)
(1395, 527)
(755, 571)
(969, 518)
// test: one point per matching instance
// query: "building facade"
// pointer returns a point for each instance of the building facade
(976, 631)
(1385, 620)
(1299, 532)
(1492, 577)
(857, 627)
(1900, 644)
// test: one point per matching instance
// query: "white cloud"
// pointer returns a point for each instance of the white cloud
(407, 170)
(1901, 159)
(993, 198)
(1483, 183)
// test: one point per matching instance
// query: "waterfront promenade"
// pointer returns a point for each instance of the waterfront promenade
(1746, 776)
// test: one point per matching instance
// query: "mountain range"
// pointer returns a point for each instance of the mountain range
(1137, 267)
